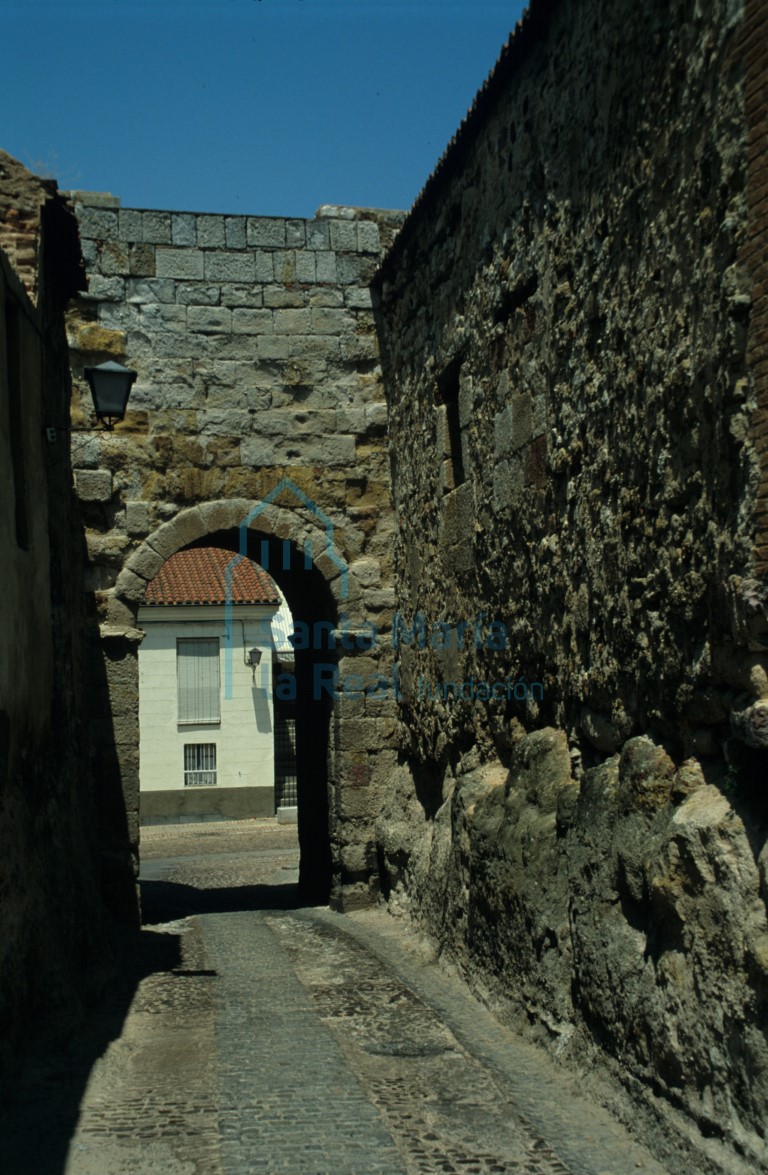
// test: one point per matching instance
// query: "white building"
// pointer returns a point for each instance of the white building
(206, 712)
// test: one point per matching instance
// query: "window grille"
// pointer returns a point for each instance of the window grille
(285, 760)
(200, 765)
(197, 666)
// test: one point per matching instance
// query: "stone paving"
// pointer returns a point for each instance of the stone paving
(248, 1034)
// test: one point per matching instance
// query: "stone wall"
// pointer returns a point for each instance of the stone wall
(258, 417)
(572, 374)
(52, 921)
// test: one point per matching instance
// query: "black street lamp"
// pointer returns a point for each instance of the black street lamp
(110, 385)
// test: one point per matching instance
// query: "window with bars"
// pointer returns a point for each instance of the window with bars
(286, 793)
(200, 765)
(197, 672)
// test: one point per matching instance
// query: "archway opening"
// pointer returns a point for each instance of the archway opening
(303, 688)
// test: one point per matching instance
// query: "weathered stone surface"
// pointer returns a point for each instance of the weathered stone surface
(137, 518)
(750, 724)
(130, 225)
(179, 263)
(105, 289)
(236, 338)
(93, 485)
(99, 223)
(266, 231)
(209, 319)
(145, 562)
(156, 227)
(183, 229)
(150, 290)
(551, 473)
(210, 232)
(230, 267)
(98, 339)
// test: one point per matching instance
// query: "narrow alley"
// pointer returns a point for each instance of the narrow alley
(248, 1034)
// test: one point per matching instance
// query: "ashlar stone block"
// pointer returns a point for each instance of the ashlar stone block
(225, 515)
(252, 322)
(295, 234)
(183, 229)
(230, 267)
(179, 263)
(264, 267)
(258, 451)
(234, 232)
(194, 294)
(291, 322)
(306, 270)
(318, 234)
(156, 227)
(358, 298)
(190, 524)
(368, 240)
(104, 289)
(130, 225)
(266, 231)
(344, 235)
(137, 518)
(162, 316)
(150, 289)
(93, 485)
(326, 267)
(166, 540)
(115, 258)
(142, 260)
(210, 232)
(100, 224)
(209, 319)
(330, 322)
(145, 562)
(249, 296)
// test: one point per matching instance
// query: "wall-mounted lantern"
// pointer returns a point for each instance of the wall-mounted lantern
(110, 385)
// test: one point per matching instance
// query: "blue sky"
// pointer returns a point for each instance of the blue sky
(268, 107)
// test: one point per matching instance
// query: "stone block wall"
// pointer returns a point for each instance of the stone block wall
(258, 368)
(573, 357)
(53, 937)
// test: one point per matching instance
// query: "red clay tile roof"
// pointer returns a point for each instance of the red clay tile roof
(199, 576)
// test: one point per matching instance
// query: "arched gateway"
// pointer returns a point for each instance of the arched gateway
(257, 422)
(342, 675)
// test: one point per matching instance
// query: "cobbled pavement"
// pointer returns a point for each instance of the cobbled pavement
(265, 1037)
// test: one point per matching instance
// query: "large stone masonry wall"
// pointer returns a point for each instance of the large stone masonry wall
(54, 948)
(572, 371)
(257, 361)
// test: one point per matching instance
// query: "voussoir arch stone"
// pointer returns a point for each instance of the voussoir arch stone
(196, 522)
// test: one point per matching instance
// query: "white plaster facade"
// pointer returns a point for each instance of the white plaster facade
(242, 736)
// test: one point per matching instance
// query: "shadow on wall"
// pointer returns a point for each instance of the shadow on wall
(108, 666)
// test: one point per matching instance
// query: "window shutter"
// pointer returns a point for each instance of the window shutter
(197, 664)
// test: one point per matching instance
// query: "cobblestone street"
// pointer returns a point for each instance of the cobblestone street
(248, 1034)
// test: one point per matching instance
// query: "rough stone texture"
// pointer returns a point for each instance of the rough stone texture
(53, 946)
(254, 350)
(572, 375)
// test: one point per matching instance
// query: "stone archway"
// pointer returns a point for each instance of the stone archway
(358, 724)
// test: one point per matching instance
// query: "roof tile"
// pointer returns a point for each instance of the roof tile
(200, 575)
